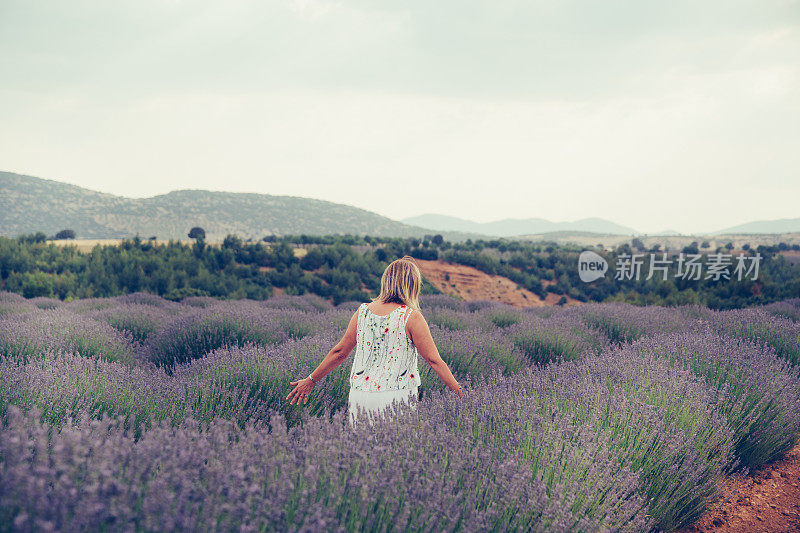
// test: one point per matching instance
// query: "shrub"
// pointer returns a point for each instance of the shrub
(446, 318)
(475, 353)
(499, 317)
(146, 298)
(248, 382)
(562, 337)
(138, 320)
(44, 302)
(200, 332)
(64, 388)
(787, 309)
(662, 422)
(759, 393)
(760, 327)
(310, 477)
(624, 323)
(35, 334)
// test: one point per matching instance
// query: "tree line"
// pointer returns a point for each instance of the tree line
(348, 267)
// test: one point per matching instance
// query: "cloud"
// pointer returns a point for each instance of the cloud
(653, 115)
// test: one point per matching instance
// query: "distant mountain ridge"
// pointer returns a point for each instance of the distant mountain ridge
(783, 225)
(511, 227)
(29, 204)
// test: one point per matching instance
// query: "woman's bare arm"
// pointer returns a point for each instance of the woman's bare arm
(417, 328)
(337, 355)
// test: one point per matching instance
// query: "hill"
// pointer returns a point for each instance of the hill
(29, 204)
(517, 226)
(666, 242)
(783, 225)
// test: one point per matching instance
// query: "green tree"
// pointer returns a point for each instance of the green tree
(232, 242)
(197, 233)
(65, 234)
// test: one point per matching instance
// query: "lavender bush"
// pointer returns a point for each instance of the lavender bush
(90, 304)
(251, 381)
(12, 303)
(200, 301)
(759, 392)
(137, 413)
(761, 327)
(446, 318)
(136, 319)
(33, 334)
(561, 337)
(623, 323)
(787, 309)
(43, 302)
(66, 387)
(438, 301)
(145, 298)
(223, 324)
(11, 297)
(475, 352)
(412, 472)
(309, 303)
(497, 316)
(661, 421)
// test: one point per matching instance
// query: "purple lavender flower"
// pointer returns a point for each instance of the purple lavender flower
(36, 333)
(136, 413)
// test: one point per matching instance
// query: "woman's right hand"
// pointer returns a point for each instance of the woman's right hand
(459, 391)
(302, 388)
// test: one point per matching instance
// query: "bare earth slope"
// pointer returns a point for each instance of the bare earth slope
(469, 283)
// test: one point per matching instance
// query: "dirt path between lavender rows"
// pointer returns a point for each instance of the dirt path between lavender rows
(765, 500)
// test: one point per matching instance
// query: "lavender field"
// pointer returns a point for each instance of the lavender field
(138, 413)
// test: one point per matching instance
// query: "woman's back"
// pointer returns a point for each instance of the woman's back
(385, 358)
(389, 335)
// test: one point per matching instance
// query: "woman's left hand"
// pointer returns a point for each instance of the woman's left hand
(302, 387)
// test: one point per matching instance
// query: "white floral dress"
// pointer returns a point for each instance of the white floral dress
(385, 358)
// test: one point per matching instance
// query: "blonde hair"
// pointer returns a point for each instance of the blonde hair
(401, 283)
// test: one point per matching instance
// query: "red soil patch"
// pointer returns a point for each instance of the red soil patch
(767, 500)
(469, 283)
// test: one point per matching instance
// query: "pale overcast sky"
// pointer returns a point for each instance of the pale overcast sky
(658, 115)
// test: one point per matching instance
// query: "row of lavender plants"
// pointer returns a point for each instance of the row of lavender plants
(140, 413)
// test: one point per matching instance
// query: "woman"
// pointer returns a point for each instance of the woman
(388, 334)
